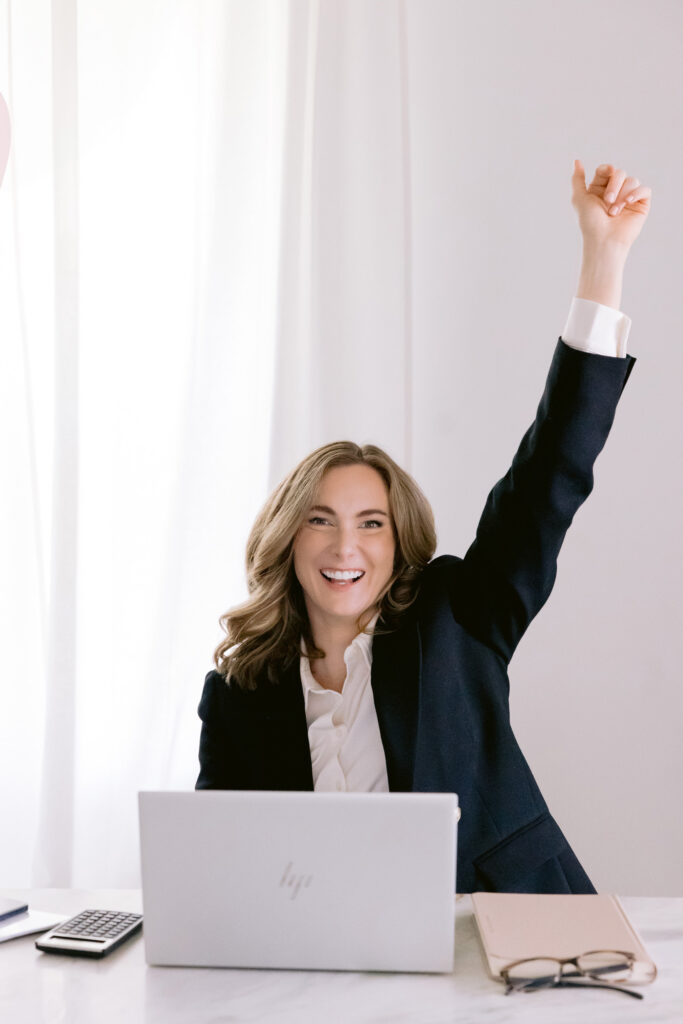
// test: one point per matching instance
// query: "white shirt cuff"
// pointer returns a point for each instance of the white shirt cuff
(597, 329)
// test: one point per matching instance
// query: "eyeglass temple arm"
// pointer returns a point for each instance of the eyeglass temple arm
(538, 984)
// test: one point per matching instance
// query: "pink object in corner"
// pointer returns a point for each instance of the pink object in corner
(4, 136)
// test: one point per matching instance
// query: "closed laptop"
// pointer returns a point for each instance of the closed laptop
(331, 881)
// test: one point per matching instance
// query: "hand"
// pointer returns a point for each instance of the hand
(599, 227)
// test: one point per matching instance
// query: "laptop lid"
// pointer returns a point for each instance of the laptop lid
(331, 881)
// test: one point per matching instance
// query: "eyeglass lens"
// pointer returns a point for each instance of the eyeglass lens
(605, 965)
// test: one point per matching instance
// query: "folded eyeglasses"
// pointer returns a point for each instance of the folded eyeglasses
(604, 968)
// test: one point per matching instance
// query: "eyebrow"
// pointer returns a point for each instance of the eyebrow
(366, 512)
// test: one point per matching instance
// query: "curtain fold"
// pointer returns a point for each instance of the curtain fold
(297, 361)
(54, 844)
(345, 286)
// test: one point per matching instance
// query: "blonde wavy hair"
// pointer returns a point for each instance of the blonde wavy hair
(263, 635)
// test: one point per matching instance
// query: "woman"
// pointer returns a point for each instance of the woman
(360, 664)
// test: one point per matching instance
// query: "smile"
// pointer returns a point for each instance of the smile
(342, 577)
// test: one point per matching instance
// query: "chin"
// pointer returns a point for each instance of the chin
(346, 605)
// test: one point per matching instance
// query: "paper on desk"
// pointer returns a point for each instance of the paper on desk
(27, 924)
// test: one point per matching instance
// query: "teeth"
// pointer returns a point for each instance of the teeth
(352, 574)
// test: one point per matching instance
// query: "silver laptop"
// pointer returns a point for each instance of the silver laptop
(327, 881)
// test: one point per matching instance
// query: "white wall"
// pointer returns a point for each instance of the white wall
(504, 96)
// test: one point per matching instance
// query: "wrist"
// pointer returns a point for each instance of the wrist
(602, 274)
(612, 253)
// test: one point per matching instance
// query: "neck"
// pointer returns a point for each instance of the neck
(333, 637)
(334, 633)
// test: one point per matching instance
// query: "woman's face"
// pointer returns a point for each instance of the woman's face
(348, 530)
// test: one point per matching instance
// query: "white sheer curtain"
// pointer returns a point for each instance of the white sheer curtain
(344, 342)
(138, 230)
(204, 273)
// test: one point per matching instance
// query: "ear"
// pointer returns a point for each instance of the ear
(4, 136)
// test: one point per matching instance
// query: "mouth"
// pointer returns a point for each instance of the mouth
(342, 579)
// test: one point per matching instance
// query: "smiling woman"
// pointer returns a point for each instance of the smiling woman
(361, 663)
(343, 508)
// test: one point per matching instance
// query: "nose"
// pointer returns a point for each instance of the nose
(344, 543)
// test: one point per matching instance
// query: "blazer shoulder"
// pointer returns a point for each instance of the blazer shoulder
(225, 698)
(447, 583)
(439, 577)
(217, 692)
(440, 570)
(441, 563)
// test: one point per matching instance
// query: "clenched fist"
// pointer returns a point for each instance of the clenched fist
(612, 210)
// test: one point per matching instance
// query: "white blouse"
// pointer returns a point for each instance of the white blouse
(343, 732)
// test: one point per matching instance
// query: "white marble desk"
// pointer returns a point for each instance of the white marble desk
(36, 988)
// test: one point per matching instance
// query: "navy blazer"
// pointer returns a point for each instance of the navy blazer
(440, 681)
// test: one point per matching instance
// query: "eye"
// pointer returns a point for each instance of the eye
(316, 520)
(372, 522)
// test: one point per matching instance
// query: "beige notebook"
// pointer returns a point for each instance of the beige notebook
(517, 926)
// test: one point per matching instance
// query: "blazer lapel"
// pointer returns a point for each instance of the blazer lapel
(395, 680)
(396, 665)
(280, 713)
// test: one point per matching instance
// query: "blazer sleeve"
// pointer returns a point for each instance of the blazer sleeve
(215, 765)
(508, 572)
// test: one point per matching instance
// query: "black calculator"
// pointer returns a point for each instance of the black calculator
(90, 933)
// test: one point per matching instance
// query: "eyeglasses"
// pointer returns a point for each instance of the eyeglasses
(606, 968)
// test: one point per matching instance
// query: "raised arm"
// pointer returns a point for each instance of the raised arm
(509, 570)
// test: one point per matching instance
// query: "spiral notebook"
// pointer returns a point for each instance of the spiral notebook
(518, 926)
